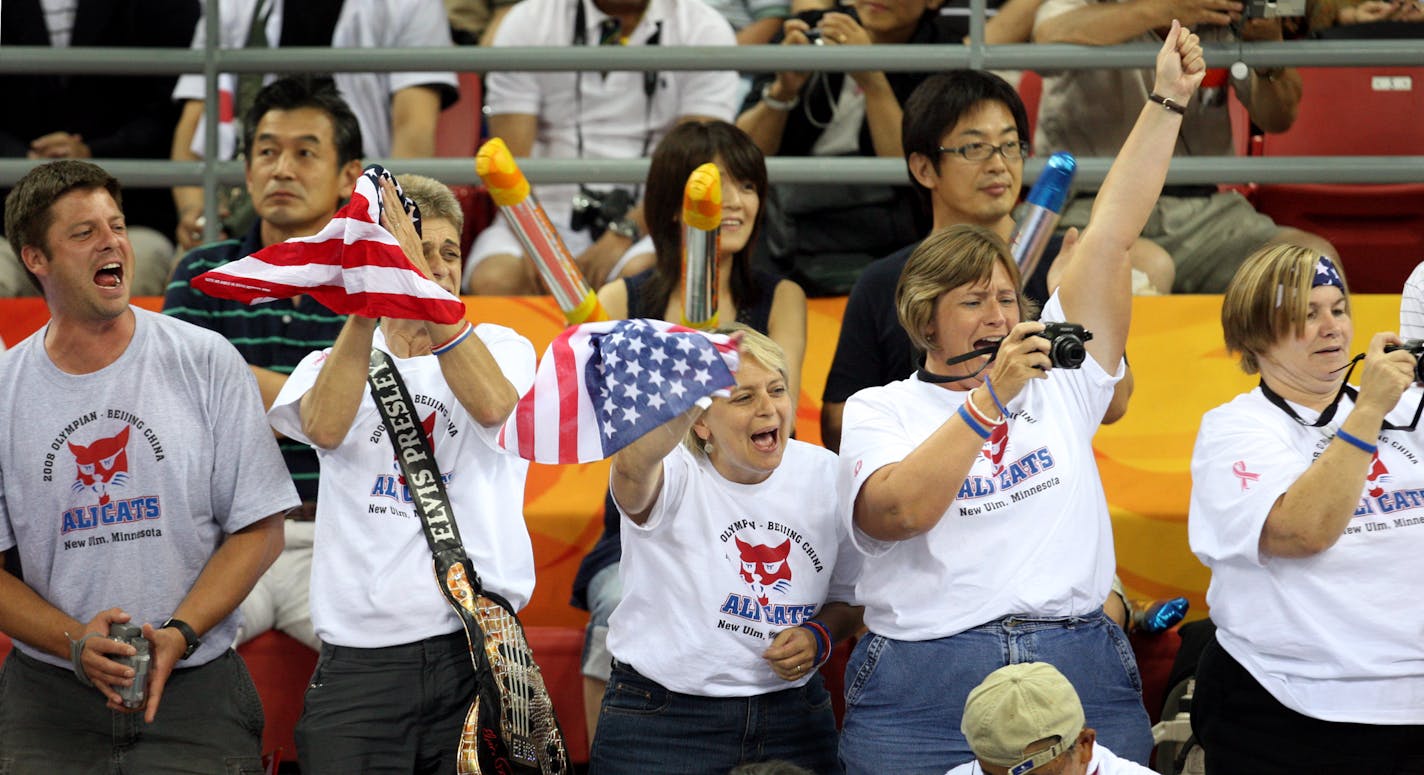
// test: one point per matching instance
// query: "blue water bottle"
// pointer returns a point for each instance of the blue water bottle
(1040, 212)
(1160, 615)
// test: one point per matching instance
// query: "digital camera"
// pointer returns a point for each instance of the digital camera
(1065, 344)
(1414, 347)
(134, 695)
(595, 210)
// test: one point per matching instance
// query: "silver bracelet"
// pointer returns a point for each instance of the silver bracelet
(76, 656)
(776, 104)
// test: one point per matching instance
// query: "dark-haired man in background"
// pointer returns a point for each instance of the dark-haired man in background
(303, 155)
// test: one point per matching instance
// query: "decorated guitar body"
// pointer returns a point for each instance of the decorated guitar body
(511, 728)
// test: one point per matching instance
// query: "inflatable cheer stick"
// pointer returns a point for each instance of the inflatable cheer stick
(526, 217)
(701, 225)
(1041, 211)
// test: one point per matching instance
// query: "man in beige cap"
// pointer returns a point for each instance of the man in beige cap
(1027, 718)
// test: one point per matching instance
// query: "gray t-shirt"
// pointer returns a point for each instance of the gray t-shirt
(119, 485)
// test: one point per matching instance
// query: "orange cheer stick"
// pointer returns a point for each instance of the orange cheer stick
(526, 217)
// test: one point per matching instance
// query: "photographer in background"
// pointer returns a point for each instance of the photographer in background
(973, 486)
(1089, 112)
(593, 115)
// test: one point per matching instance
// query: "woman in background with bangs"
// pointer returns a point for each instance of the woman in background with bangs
(760, 300)
(1306, 504)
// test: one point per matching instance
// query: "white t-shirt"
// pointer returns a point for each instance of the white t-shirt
(362, 24)
(1028, 532)
(720, 568)
(1411, 305)
(1104, 762)
(372, 579)
(1337, 636)
(617, 119)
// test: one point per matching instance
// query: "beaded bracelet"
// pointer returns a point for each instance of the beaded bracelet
(972, 423)
(823, 639)
(1356, 441)
(454, 341)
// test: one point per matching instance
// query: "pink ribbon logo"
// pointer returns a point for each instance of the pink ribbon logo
(1246, 477)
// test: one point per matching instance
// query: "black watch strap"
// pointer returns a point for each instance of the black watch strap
(188, 635)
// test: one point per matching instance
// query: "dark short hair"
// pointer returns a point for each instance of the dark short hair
(940, 102)
(307, 91)
(28, 213)
(688, 146)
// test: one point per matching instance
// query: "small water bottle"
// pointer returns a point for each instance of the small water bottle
(1160, 615)
(132, 696)
(1040, 212)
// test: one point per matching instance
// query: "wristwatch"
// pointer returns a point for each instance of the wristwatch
(188, 635)
(625, 227)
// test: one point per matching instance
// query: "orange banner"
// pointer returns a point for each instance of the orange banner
(1181, 368)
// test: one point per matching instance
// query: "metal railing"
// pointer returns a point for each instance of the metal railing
(1200, 170)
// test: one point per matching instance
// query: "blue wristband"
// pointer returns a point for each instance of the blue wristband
(1356, 441)
(1003, 411)
(822, 635)
(972, 423)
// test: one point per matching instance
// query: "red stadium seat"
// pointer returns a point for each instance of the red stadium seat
(281, 666)
(479, 211)
(1030, 91)
(458, 132)
(1367, 111)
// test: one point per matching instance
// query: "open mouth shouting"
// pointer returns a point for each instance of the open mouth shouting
(767, 440)
(110, 275)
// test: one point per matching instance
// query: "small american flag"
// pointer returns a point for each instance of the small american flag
(601, 386)
(353, 266)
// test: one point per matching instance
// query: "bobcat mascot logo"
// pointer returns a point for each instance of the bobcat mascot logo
(765, 567)
(1378, 473)
(102, 465)
(428, 427)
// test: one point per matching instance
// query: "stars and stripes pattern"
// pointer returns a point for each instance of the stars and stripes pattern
(601, 386)
(353, 266)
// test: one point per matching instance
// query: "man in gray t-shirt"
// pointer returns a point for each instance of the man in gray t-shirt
(140, 484)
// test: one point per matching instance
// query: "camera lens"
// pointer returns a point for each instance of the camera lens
(1067, 352)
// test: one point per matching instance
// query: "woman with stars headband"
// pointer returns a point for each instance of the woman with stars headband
(1308, 507)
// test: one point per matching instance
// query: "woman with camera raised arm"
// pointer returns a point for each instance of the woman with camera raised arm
(976, 498)
(1306, 504)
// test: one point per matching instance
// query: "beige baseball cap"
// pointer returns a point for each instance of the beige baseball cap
(1016, 706)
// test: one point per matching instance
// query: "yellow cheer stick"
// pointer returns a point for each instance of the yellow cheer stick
(701, 242)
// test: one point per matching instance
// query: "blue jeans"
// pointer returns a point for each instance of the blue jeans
(645, 728)
(905, 699)
(605, 590)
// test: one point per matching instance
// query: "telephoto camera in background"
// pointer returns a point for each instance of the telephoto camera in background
(595, 210)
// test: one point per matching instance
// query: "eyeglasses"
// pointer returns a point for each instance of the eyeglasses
(1013, 150)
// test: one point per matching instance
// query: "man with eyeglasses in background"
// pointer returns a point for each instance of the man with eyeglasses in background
(1027, 718)
(965, 135)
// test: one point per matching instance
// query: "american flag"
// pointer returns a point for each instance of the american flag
(601, 386)
(353, 266)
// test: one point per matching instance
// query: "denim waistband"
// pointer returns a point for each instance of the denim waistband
(436, 645)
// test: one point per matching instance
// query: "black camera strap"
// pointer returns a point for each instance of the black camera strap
(939, 379)
(1328, 414)
(607, 28)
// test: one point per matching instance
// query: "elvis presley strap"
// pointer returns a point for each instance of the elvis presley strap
(511, 727)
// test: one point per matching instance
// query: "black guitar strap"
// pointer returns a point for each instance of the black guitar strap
(511, 727)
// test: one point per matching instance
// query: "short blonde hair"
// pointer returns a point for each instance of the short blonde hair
(1268, 299)
(434, 199)
(755, 346)
(947, 259)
